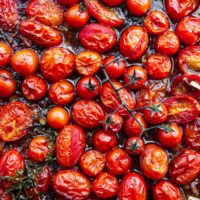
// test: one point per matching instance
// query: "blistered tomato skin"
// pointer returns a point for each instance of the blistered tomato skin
(185, 167)
(71, 185)
(5, 54)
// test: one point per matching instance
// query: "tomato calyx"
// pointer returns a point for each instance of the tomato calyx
(154, 109)
(83, 6)
(90, 86)
(133, 78)
(108, 121)
(134, 146)
(167, 128)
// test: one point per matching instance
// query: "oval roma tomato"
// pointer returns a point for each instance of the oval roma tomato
(134, 42)
(70, 144)
(133, 186)
(48, 12)
(39, 33)
(15, 120)
(111, 100)
(71, 185)
(68, 2)
(97, 37)
(134, 145)
(113, 3)
(103, 14)
(5, 54)
(182, 109)
(184, 168)
(154, 162)
(105, 186)
(188, 30)
(57, 63)
(167, 190)
(88, 113)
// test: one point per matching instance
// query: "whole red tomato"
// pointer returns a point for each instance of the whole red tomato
(113, 3)
(5, 54)
(134, 145)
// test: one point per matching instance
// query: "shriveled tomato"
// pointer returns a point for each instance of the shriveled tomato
(57, 63)
(97, 37)
(134, 145)
(70, 144)
(5, 54)
(154, 162)
(185, 167)
(182, 109)
(15, 120)
(88, 113)
(134, 42)
(105, 186)
(39, 33)
(113, 3)
(133, 186)
(68, 2)
(71, 185)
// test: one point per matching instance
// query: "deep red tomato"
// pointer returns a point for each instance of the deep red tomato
(88, 113)
(156, 22)
(133, 186)
(113, 3)
(105, 186)
(167, 190)
(118, 162)
(71, 185)
(104, 141)
(134, 42)
(185, 167)
(70, 144)
(97, 37)
(15, 120)
(7, 83)
(92, 162)
(61, 92)
(88, 63)
(68, 2)
(57, 63)
(5, 54)
(154, 162)
(5, 195)
(134, 145)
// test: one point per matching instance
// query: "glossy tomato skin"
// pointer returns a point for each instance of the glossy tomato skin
(167, 190)
(105, 186)
(134, 145)
(133, 186)
(57, 63)
(92, 162)
(113, 3)
(97, 37)
(68, 2)
(154, 162)
(5, 54)
(88, 113)
(70, 144)
(185, 167)
(133, 42)
(21, 117)
(71, 185)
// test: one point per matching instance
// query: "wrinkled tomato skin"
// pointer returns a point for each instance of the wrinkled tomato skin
(71, 185)
(15, 118)
(167, 190)
(113, 3)
(68, 2)
(39, 33)
(97, 37)
(88, 113)
(5, 54)
(133, 186)
(105, 186)
(134, 145)
(154, 162)
(133, 42)
(70, 144)
(185, 167)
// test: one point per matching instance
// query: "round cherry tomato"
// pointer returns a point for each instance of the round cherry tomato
(113, 3)
(61, 92)
(184, 168)
(68, 2)
(105, 186)
(25, 62)
(133, 186)
(34, 88)
(88, 113)
(70, 144)
(5, 54)
(154, 162)
(57, 117)
(97, 37)
(71, 185)
(57, 63)
(156, 22)
(134, 42)
(118, 161)
(134, 145)
(92, 162)
(15, 120)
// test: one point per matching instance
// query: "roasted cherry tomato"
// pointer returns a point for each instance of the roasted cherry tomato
(154, 162)
(70, 144)
(134, 145)
(113, 3)
(68, 2)
(5, 195)
(71, 185)
(134, 42)
(105, 186)
(5, 54)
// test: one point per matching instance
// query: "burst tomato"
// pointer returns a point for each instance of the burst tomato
(5, 54)
(134, 145)
(113, 3)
